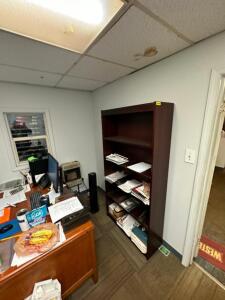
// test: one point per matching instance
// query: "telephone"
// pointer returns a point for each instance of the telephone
(44, 181)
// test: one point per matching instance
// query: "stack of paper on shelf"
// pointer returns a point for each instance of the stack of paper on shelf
(139, 238)
(142, 192)
(129, 185)
(140, 167)
(129, 204)
(114, 177)
(117, 158)
(127, 223)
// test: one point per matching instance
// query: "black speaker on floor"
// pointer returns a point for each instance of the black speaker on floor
(93, 192)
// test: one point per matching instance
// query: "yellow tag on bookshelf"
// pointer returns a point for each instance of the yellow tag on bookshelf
(158, 103)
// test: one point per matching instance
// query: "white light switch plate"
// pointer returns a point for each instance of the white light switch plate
(189, 156)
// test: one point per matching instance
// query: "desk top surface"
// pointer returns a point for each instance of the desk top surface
(73, 233)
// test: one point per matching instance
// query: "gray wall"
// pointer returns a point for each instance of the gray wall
(71, 117)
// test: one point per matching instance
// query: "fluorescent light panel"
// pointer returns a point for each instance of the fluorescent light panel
(88, 11)
(69, 24)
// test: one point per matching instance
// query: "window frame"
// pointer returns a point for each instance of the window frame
(16, 165)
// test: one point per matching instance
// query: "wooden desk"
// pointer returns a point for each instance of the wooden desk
(71, 263)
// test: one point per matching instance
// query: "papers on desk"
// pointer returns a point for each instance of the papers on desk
(64, 208)
(140, 167)
(10, 200)
(52, 195)
(20, 260)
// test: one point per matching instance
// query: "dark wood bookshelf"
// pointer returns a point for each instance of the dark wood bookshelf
(142, 133)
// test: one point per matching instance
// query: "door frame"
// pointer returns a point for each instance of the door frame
(208, 148)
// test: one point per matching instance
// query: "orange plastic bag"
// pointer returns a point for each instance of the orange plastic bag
(38, 239)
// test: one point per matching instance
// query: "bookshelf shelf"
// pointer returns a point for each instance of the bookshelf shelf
(128, 141)
(140, 176)
(142, 133)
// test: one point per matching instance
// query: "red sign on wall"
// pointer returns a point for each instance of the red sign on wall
(213, 252)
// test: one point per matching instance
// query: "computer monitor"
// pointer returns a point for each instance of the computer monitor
(53, 172)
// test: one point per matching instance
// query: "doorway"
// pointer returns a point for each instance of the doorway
(210, 242)
(211, 256)
(206, 161)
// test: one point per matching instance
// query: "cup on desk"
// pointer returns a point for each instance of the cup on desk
(22, 220)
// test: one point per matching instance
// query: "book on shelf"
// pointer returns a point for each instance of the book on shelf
(139, 237)
(127, 223)
(129, 204)
(114, 177)
(142, 192)
(117, 158)
(129, 185)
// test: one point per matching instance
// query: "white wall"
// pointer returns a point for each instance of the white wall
(183, 79)
(71, 118)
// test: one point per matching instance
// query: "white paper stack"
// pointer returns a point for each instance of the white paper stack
(117, 158)
(64, 208)
(139, 238)
(140, 167)
(11, 200)
(127, 223)
(114, 177)
(46, 290)
(129, 185)
(141, 246)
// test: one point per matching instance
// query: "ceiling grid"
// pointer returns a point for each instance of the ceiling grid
(143, 32)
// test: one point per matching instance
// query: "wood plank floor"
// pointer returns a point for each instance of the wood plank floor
(125, 274)
(214, 225)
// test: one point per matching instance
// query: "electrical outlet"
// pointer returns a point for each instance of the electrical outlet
(189, 156)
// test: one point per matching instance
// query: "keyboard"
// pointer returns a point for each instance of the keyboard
(16, 190)
(35, 198)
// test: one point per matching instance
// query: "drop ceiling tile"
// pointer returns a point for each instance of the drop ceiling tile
(80, 83)
(20, 51)
(15, 74)
(132, 34)
(196, 19)
(96, 69)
